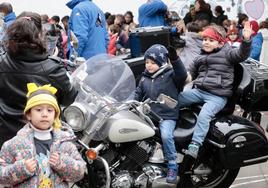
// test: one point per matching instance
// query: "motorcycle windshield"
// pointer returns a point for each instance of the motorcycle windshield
(107, 75)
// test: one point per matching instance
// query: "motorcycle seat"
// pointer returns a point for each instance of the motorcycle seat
(183, 135)
(185, 126)
(227, 110)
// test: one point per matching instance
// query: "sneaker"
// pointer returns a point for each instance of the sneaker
(172, 176)
(193, 149)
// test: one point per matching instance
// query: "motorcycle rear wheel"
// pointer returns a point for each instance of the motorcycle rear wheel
(221, 178)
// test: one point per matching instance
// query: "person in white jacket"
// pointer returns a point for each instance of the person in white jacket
(264, 31)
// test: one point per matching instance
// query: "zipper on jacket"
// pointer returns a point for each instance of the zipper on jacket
(206, 71)
(34, 156)
(151, 89)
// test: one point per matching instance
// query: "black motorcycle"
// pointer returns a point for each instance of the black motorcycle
(122, 144)
(233, 141)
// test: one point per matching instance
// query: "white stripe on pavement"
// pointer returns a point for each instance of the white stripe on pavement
(251, 177)
(246, 183)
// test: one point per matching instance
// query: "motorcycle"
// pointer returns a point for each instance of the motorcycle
(121, 143)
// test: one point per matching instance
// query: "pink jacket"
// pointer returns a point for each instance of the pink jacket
(70, 168)
(64, 42)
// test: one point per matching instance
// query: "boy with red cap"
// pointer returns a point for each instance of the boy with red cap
(213, 74)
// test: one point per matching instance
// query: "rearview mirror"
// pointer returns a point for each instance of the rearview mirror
(167, 100)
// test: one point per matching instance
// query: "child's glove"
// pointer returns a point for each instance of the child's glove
(172, 53)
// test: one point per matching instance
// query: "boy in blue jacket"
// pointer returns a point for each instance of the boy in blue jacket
(159, 77)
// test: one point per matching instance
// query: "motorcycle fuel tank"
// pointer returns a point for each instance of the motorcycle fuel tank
(126, 126)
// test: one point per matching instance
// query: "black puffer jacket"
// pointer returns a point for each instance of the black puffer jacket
(214, 72)
(14, 76)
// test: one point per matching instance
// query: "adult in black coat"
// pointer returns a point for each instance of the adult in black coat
(220, 17)
(189, 17)
(202, 11)
(24, 60)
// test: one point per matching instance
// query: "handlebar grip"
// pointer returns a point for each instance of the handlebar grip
(155, 116)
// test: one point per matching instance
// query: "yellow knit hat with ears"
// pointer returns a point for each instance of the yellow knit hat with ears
(43, 95)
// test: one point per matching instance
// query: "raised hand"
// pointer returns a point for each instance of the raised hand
(172, 53)
(247, 31)
(31, 165)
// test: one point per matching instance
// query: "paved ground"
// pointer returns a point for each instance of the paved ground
(255, 176)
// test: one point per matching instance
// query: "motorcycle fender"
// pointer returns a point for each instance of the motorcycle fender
(126, 126)
(241, 142)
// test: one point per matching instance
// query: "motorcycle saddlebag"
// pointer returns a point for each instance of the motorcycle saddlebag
(140, 39)
(254, 87)
(244, 143)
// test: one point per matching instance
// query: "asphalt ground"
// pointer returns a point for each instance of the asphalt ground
(255, 176)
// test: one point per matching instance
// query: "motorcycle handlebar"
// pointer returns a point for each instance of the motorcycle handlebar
(144, 109)
(155, 116)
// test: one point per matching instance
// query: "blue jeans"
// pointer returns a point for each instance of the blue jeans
(212, 105)
(167, 128)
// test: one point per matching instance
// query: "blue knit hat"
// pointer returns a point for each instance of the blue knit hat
(158, 53)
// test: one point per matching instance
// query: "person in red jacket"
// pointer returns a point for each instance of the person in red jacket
(113, 34)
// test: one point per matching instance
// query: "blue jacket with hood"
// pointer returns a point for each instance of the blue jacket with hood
(257, 41)
(152, 13)
(10, 18)
(88, 23)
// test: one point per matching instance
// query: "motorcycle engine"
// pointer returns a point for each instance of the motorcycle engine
(136, 155)
(123, 179)
(132, 157)
(134, 169)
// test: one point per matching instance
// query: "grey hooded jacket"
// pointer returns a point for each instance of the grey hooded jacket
(191, 49)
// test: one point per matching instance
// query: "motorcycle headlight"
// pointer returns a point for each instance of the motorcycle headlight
(76, 116)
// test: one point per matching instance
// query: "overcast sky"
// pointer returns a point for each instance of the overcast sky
(58, 7)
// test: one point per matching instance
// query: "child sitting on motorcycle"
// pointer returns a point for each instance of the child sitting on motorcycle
(159, 77)
(213, 74)
(42, 154)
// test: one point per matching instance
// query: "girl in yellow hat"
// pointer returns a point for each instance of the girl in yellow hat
(42, 154)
